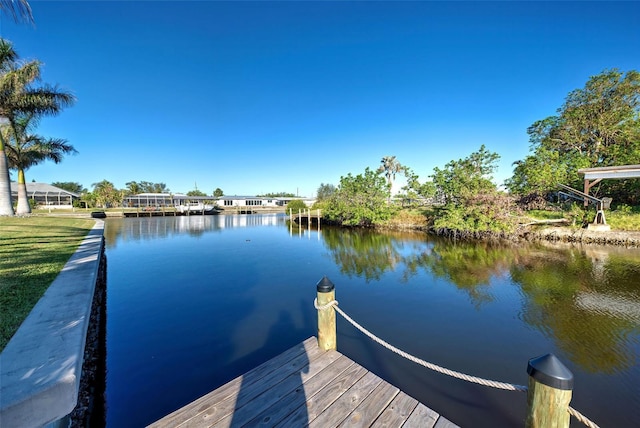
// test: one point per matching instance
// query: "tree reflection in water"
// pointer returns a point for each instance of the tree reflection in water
(580, 303)
(364, 253)
(586, 301)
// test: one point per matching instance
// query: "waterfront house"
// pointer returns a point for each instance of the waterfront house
(46, 196)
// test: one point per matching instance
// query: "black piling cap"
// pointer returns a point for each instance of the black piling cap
(325, 286)
(549, 370)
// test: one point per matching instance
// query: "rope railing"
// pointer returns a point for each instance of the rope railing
(439, 369)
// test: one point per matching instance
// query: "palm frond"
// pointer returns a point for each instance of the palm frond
(44, 100)
(8, 56)
(19, 10)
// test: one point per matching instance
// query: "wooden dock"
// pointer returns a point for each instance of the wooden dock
(305, 386)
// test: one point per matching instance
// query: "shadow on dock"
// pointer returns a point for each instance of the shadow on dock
(257, 407)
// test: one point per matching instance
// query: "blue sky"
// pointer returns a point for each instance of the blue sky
(256, 97)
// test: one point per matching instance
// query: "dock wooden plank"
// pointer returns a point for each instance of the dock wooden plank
(246, 393)
(421, 417)
(233, 387)
(305, 386)
(299, 396)
(323, 399)
(243, 413)
(347, 402)
(397, 412)
(445, 423)
(372, 406)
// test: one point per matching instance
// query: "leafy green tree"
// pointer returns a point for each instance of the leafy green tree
(196, 192)
(19, 96)
(70, 186)
(105, 194)
(489, 212)
(218, 192)
(25, 150)
(597, 126)
(325, 191)
(542, 172)
(415, 189)
(295, 205)
(359, 200)
(87, 200)
(473, 204)
(466, 177)
(601, 120)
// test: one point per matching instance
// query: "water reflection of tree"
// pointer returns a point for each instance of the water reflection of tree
(592, 337)
(363, 253)
(572, 296)
(469, 266)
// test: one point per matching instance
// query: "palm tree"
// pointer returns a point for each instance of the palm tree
(390, 166)
(106, 194)
(133, 188)
(18, 97)
(24, 150)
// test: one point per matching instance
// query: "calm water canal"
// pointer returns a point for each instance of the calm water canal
(193, 302)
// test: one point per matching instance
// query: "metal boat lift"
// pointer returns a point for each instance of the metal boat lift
(601, 204)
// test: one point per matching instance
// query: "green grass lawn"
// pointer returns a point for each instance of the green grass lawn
(623, 220)
(33, 250)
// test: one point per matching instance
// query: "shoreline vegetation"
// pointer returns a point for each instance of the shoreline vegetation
(562, 227)
(52, 237)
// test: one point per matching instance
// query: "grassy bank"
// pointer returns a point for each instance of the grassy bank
(33, 250)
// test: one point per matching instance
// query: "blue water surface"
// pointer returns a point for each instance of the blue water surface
(194, 302)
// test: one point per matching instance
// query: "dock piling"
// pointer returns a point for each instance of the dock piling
(326, 317)
(549, 393)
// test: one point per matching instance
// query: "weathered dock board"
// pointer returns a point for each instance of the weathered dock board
(305, 386)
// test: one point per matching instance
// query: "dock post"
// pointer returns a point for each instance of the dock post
(549, 394)
(326, 317)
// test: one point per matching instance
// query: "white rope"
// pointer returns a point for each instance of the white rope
(431, 366)
(486, 382)
(582, 418)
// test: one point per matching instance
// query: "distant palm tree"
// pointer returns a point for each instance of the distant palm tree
(390, 166)
(24, 150)
(19, 9)
(161, 188)
(19, 97)
(106, 194)
(133, 188)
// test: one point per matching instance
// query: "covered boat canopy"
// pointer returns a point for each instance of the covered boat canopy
(593, 176)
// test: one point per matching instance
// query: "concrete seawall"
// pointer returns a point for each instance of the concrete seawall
(40, 368)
